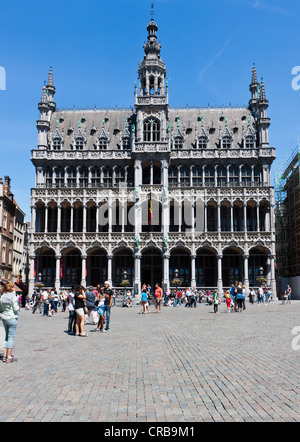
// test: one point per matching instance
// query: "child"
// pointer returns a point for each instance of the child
(228, 300)
(144, 302)
(216, 301)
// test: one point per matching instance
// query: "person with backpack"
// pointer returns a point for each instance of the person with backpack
(240, 298)
(37, 302)
(9, 307)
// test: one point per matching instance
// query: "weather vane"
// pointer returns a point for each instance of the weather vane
(152, 11)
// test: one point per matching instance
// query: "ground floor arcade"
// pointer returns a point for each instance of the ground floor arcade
(204, 269)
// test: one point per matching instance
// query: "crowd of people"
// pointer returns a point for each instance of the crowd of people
(95, 304)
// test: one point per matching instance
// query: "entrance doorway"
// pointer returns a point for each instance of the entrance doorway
(152, 268)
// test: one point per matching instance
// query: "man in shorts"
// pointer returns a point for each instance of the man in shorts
(158, 295)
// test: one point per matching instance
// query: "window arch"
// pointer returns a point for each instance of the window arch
(107, 177)
(151, 130)
(249, 142)
(178, 142)
(79, 143)
(173, 176)
(226, 143)
(202, 142)
(246, 175)
(102, 143)
(56, 143)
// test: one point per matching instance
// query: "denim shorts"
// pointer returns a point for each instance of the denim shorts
(100, 310)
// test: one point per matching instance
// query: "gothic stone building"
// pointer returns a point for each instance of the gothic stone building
(152, 190)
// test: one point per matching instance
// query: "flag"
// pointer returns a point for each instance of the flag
(35, 267)
(150, 211)
(275, 262)
(61, 268)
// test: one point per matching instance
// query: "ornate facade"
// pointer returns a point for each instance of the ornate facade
(153, 189)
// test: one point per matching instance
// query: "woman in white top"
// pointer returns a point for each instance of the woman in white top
(9, 306)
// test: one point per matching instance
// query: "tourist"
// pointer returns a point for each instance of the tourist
(260, 295)
(54, 301)
(228, 300)
(158, 294)
(289, 294)
(80, 311)
(244, 294)
(129, 299)
(64, 301)
(37, 302)
(239, 297)
(91, 299)
(46, 301)
(100, 311)
(252, 296)
(108, 294)
(193, 297)
(9, 307)
(144, 301)
(71, 310)
(216, 301)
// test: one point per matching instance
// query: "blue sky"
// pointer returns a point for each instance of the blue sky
(94, 48)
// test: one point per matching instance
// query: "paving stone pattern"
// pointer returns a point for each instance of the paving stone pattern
(183, 365)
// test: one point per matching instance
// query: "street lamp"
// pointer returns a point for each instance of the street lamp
(261, 272)
(176, 275)
(125, 277)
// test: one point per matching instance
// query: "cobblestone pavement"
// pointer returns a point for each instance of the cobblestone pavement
(181, 365)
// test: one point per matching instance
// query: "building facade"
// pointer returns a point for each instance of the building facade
(152, 190)
(287, 222)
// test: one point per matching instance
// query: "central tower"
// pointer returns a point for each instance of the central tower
(151, 101)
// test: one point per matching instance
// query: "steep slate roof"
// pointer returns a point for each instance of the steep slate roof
(214, 124)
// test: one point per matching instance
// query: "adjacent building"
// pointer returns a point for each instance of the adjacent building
(153, 193)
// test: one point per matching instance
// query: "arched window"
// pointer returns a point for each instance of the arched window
(202, 142)
(151, 85)
(226, 143)
(56, 143)
(209, 176)
(119, 175)
(151, 130)
(178, 142)
(126, 145)
(79, 143)
(184, 177)
(222, 176)
(246, 176)
(59, 177)
(257, 176)
(102, 143)
(197, 176)
(107, 177)
(96, 177)
(249, 143)
(234, 174)
(173, 176)
(71, 181)
(83, 177)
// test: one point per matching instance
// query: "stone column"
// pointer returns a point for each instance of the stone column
(84, 218)
(137, 278)
(109, 269)
(166, 264)
(31, 274)
(72, 220)
(220, 276)
(83, 270)
(257, 215)
(231, 217)
(58, 218)
(193, 271)
(46, 218)
(246, 272)
(57, 272)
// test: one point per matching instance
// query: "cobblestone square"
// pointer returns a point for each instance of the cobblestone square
(183, 365)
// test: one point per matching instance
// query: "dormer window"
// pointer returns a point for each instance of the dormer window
(202, 143)
(79, 144)
(226, 143)
(249, 143)
(178, 142)
(126, 145)
(56, 143)
(102, 143)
